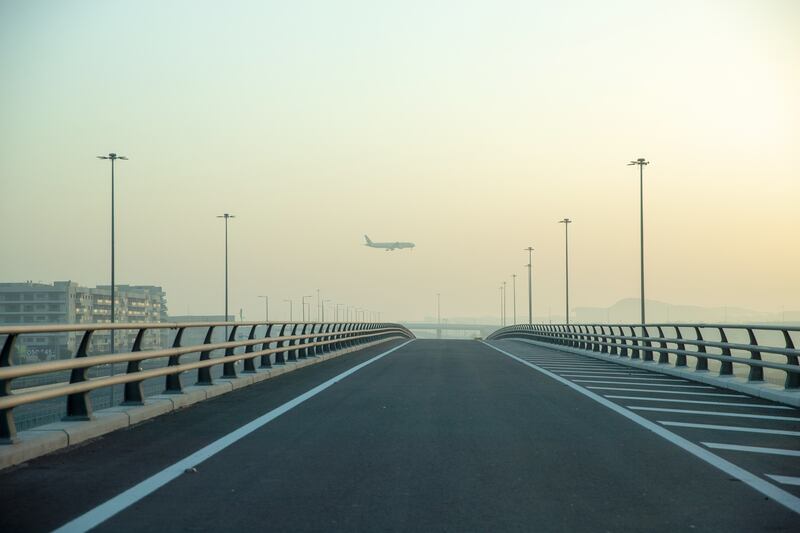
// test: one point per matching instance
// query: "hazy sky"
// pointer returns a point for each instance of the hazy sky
(470, 128)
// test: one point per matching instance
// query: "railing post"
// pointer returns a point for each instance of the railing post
(756, 372)
(204, 374)
(636, 352)
(79, 406)
(663, 356)
(623, 344)
(680, 359)
(266, 359)
(292, 353)
(792, 378)
(648, 354)
(280, 356)
(702, 362)
(250, 363)
(303, 351)
(8, 430)
(134, 394)
(726, 367)
(229, 368)
(173, 381)
(604, 340)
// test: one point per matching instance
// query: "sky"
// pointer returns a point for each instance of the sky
(469, 128)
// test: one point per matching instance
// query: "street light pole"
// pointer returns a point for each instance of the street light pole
(514, 297)
(291, 305)
(266, 308)
(505, 299)
(641, 162)
(113, 157)
(226, 216)
(530, 283)
(566, 223)
(322, 309)
(501, 306)
(303, 304)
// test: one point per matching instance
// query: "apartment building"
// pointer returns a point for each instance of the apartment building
(66, 302)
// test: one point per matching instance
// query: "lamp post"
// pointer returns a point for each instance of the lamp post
(501, 306)
(303, 303)
(291, 305)
(226, 216)
(113, 158)
(505, 299)
(336, 311)
(566, 223)
(641, 162)
(322, 309)
(514, 297)
(530, 284)
(266, 308)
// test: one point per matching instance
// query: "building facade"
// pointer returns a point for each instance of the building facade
(66, 302)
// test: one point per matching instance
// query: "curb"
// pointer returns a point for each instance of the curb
(42, 440)
(766, 391)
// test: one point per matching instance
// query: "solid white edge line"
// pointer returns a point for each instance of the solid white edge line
(125, 499)
(786, 480)
(751, 449)
(774, 492)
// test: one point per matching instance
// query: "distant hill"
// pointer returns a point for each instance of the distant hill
(627, 310)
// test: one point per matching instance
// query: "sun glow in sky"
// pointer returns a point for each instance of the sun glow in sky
(469, 128)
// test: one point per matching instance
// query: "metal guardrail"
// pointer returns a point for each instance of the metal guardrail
(293, 341)
(639, 341)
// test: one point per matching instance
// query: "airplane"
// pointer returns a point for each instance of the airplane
(388, 246)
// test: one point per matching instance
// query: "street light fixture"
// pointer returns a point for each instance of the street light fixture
(530, 284)
(641, 162)
(266, 308)
(113, 158)
(566, 223)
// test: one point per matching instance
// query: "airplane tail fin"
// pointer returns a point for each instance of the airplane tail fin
(368, 239)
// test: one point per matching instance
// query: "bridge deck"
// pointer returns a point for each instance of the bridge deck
(438, 435)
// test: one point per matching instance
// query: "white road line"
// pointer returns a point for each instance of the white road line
(606, 373)
(713, 413)
(671, 392)
(669, 380)
(704, 402)
(786, 480)
(122, 501)
(764, 487)
(638, 383)
(751, 449)
(732, 428)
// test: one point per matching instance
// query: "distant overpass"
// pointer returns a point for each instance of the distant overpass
(477, 330)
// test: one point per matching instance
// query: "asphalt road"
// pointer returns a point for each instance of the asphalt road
(436, 436)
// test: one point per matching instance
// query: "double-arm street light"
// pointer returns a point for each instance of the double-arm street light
(566, 223)
(530, 284)
(641, 162)
(266, 308)
(113, 158)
